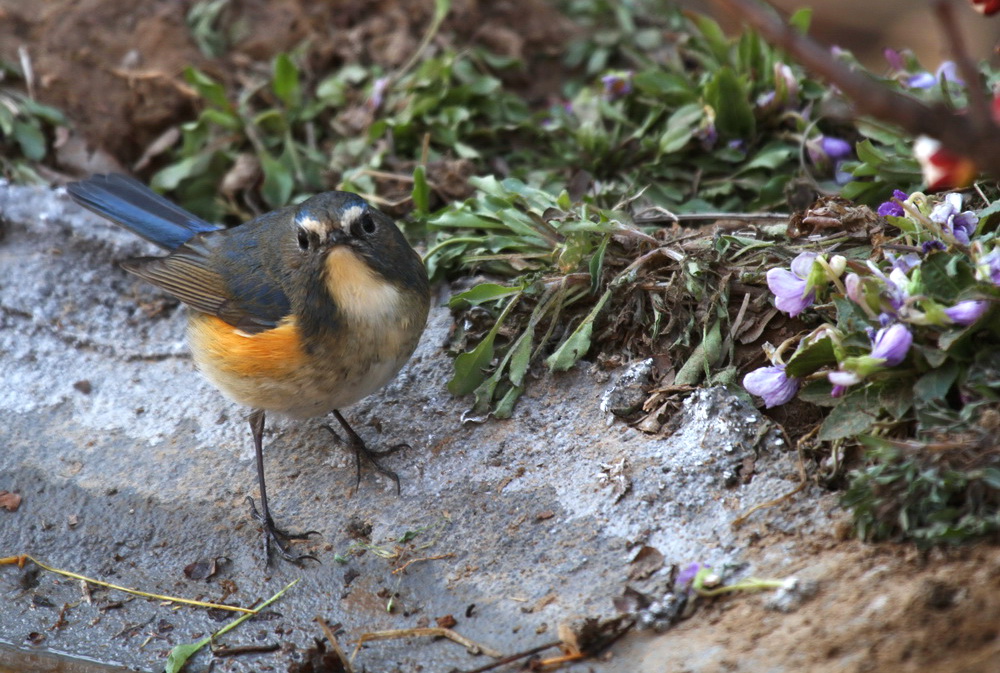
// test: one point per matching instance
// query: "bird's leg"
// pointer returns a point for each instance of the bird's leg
(271, 532)
(361, 451)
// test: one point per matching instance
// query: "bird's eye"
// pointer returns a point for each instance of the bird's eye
(368, 225)
(303, 239)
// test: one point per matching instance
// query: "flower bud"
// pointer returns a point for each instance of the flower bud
(967, 312)
(772, 384)
(892, 343)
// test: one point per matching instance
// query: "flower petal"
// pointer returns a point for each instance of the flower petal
(892, 343)
(967, 312)
(802, 264)
(772, 384)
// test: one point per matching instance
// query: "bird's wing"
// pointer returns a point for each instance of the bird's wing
(215, 274)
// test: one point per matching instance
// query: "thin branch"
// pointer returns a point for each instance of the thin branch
(979, 108)
(959, 133)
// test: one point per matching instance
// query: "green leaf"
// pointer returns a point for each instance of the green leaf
(170, 177)
(408, 535)
(801, 19)
(286, 81)
(853, 416)
(935, 384)
(46, 113)
(471, 367)
(278, 181)
(661, 83)
(30, 139)
(223, 118)
(181, 653)
(7, 117)
(482, 293)
(680, 127)
(505, 407)
(521, 357)
(868, 153)
(895, 395)
(942, 280)
(811, 358)
(728, 95)
(818, 392)
(771, 156)
(207, 88)
(421, 193)
(596, 264)
(578, 343)
(715, 37)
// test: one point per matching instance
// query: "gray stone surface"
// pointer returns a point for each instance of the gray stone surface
(131, 467)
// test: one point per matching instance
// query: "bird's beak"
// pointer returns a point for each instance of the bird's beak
(337, 237)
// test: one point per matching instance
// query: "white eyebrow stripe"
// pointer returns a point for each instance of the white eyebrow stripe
(312, 225)
(350, 215)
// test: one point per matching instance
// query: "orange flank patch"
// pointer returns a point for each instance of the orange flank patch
(272, 354)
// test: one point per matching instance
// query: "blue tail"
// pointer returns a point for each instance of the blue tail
(139, 209)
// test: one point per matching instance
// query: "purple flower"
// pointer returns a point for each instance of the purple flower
(707, 135)
(933, 244)
(903, 263)
(686, 576)
(785, 91)
(953, 220)
(946, 72)
(897, 287)
(835, 148)
(790, 287)
(827, 152)
(921, 80)
(840, 176)
(617, 84)
(772, 384)
(895, 59)
(891, 207)
(841, 380)
(379, 87)
(765, 99)
(968, 311)
(988, 266)
(891, 344)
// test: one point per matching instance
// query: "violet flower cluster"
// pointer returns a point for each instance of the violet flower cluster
(891, 297)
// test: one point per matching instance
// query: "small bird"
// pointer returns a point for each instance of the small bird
(301, 311)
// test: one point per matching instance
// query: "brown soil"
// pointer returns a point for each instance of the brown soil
(879, 608)
(115, 69)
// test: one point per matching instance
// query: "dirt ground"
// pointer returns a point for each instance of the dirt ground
(114, 68)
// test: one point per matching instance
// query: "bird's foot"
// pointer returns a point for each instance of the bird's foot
(279, 537)
(362, 452)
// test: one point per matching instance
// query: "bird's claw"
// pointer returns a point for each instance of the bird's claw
(279, 536)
